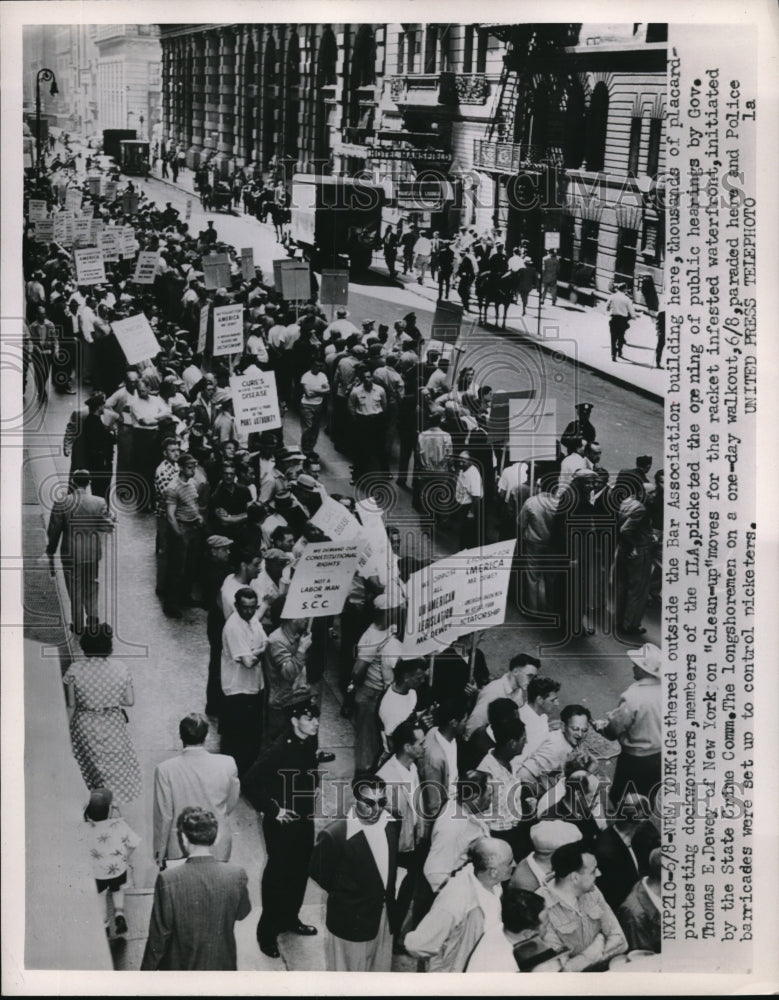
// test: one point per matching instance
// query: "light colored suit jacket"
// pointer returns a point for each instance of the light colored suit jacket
(194, 778)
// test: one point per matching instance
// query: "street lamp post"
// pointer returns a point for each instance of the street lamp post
(43, 75)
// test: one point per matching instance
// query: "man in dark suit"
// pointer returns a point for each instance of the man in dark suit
(196, 904)
(622, 850)
(355, 862)
(75, 526)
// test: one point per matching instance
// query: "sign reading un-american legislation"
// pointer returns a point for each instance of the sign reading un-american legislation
(322, 579)
(255, 403)
(228, 330)
(89, 267)
(144, 269)
(136, 338)
(461, 593)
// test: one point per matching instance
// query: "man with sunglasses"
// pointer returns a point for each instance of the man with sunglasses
(282, 785)
(355, 861)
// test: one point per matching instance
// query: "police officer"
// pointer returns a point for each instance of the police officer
(282, 785)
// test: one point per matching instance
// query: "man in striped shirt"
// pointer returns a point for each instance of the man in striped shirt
(184, 529)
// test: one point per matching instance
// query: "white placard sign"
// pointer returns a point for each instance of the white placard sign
(95, 231)
(144, 269)
(73, 199)
(532, 437)
(127, 243)
(323, 576)
(44, 231)
(336, 521)
(228, 330)
(82, 231)
(461, 593)
(109, 242)
(89, 266)
(247, 263)
(36, 210)
(255, 403)
(136, 338)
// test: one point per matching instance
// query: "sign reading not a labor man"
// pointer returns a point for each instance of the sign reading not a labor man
(136, 338)
(145, 267)
(228, 330)
(462, 593)
(255, 403)
(322, 579)
(90, 269)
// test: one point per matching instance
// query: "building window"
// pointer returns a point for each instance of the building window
(431, 49)
(597, 123)
(566, 246)
(635, 145)
(627, 245)
(589, 248)
(651, 250)
(481, 50)
(414, 51)
(468, 49)
(401, 52)
(653, 153)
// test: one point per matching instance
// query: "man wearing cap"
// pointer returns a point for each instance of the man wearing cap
(272, 582)
(546, 836)
(184, 526)
(341, 324)
(621, 312)
(581, 427)
(282, 785)
(637, 723)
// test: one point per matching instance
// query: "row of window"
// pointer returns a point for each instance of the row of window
(426, 48)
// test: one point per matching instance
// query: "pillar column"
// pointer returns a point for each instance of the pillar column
(227, 103)
(198, 84)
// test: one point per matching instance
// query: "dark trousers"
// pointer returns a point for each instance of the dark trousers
(354, 621)
(145, 461)
(411, 903)
(284, 880)
(618, 326)
(369, 437)
(636, 774)
(182, 552)
(241, 729)
(339, 423)
(310, 422)
(82, 586)
(444, 282)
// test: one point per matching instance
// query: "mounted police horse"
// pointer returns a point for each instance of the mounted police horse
(495, 289)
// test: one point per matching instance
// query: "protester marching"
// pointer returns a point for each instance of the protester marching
(485, 827)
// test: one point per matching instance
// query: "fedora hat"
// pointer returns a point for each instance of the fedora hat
(648, 658)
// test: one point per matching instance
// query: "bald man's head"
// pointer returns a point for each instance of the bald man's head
(492, 860)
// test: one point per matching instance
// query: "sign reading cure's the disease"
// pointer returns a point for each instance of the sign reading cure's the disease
(145, 267)
(336, 521)
(322, 580)
(461, 593)
(228, 330)
(136, 338)
(89, 267)
(255, 403)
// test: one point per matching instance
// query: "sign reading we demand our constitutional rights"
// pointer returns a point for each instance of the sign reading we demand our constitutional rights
(322, 579)
(461, 593)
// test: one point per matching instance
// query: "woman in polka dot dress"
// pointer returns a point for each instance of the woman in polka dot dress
(97, 688)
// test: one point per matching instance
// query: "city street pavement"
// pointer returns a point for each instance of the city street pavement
(168, 658)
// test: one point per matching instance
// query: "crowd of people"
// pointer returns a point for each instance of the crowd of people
(482, 834)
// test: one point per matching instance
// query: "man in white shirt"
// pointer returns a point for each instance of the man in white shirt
(400, 698)
(315, 389)
(423, 249)
(467, 907)
(460, 823)
(249, 565)
(513, 684)
(521, 914)
(340, 325)
(468, 493)
(243, 643)
(506, 816)
(574, 461)
(404, 802)
(542, 698)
